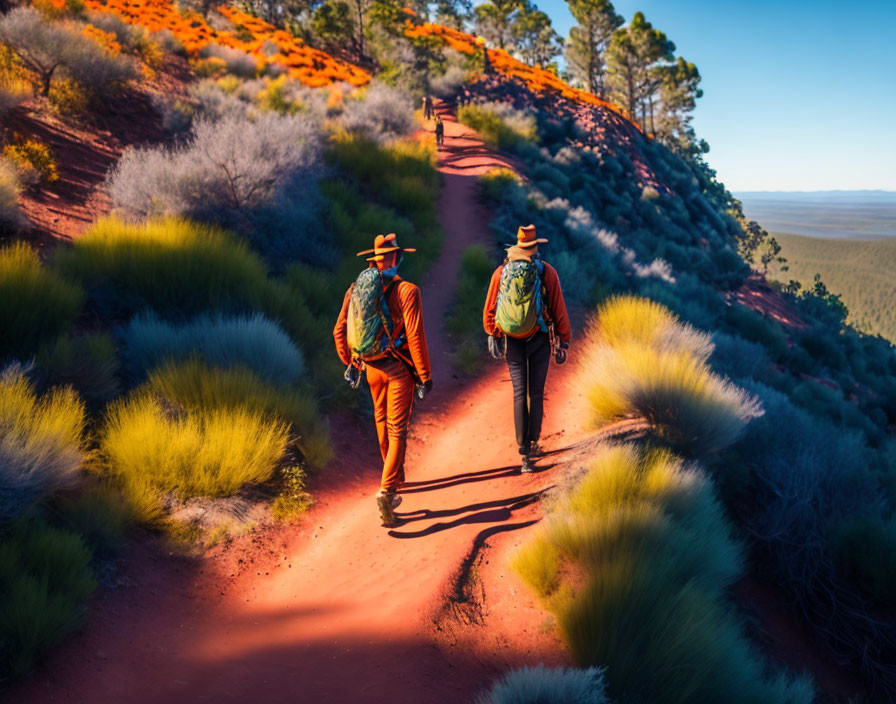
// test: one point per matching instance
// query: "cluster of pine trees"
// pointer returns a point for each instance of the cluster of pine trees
(633, 65)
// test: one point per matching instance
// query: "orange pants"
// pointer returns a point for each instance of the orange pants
(392, 389)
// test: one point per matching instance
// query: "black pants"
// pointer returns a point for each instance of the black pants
(528, 362)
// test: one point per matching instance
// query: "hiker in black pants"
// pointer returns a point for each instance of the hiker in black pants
(524, 305)
(440, 131)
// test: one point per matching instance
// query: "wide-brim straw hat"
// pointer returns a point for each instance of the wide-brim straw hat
(383, 244)
(525, 237)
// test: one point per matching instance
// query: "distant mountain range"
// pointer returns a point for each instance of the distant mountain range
(869, 214)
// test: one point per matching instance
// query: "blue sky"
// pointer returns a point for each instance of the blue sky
(797, 95)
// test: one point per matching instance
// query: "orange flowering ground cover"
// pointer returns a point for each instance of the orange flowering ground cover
(537, 79)
(268, 44)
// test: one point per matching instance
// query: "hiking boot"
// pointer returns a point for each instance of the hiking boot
(536, 450)
(528, 466)
(386, 503)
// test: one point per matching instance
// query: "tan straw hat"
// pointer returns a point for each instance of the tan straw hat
(383, 244)
(525, 237)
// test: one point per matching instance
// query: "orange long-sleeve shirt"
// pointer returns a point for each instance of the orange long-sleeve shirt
(554, 303)
(406, 311)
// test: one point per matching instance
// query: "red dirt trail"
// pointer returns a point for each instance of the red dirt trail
(338, 608)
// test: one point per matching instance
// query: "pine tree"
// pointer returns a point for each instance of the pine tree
(636, 59)
(534, 37)
(453, 13)
(587, 44)
(495, 19)
(679, 91)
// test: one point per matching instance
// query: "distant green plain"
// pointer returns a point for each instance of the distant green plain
(863, 272)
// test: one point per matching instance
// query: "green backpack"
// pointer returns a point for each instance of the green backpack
(369, 323)
(520, 305)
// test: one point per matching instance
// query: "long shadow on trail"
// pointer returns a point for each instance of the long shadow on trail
(454, 480)
(495, 511)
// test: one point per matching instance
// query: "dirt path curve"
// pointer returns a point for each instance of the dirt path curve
(339, 609)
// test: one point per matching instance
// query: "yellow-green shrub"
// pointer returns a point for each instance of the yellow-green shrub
(199, 387)
(32, 157)
(639, 360)
(153, 448)
(45, 579)
(171, 265)
(498, 124)
(35, 304)
(41, 444)
(634, 561)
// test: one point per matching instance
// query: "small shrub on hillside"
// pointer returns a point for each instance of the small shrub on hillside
(13, 84)
(33, 159)
(499, 125)
(252, 341)
(98, 514)
(255, 175)
(755, 327)
(35, 304)
(88, 363)
(69, 97)
(542, 685)
(11, 217)
(737, 358)
(173, 266)
(495, 183)
(236, 62)
(864, 551)
(381, 114)
(810, 475)
(41, 446)
(197, 387)
(152, 448)
(45, 579)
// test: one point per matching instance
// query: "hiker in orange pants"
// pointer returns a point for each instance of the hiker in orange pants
(395, 366)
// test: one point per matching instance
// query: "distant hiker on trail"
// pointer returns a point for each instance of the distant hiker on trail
(428, 110)
(380, 331)
(526, 320)
(440, 131)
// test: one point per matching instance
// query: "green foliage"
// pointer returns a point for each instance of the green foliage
(400, 174)
(587, 43)
(755, 327)
(88, 363)
(499, 126)
(495, 183)
(293, 500)
(541, 685)
(45, 580)
(197, 387)
(864, 550)
(151, 448)
(464, 322)
(98, 514)
(41, 444)
(252, 341)
(634, 561)
(176, 267)
(11, 218)
(35, 303)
